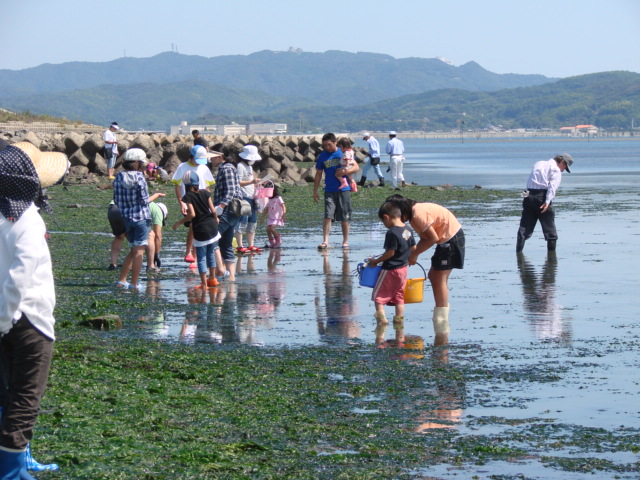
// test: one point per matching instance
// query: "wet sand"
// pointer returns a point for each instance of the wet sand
(569, 319)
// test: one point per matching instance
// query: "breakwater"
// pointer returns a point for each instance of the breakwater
(290, 159)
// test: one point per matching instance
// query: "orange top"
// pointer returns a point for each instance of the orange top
(443, 221)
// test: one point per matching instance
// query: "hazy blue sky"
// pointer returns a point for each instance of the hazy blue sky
(557, 38)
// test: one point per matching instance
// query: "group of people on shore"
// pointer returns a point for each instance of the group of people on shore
(214, 218)
(27, 299)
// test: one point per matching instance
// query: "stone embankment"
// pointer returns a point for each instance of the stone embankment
(288, 158)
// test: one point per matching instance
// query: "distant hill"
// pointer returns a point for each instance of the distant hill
(608, 100)
(312, 89)
(332, 77)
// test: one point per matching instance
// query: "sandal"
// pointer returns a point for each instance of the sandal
(345, 245)
(323, 246)
(122, 284)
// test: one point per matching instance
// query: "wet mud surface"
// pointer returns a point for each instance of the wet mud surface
(546, 344)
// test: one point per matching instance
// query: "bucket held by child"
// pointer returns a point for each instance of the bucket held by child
(367, 275)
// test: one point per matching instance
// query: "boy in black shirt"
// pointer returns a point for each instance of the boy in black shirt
(389, 289)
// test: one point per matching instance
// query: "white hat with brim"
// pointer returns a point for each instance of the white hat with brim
(50, 166)
(250, 153)
(136, 155)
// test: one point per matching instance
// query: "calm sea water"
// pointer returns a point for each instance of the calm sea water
(504, 163)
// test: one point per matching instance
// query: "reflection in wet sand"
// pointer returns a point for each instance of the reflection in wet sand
(547, 318)
(337, 309)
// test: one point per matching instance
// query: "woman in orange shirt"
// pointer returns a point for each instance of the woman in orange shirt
(435, 225)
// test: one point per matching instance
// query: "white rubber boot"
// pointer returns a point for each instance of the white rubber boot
(441, 320)
(398, 322)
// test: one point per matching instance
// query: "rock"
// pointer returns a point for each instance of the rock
(171, 163)
(79, 158)
(290, 173)
(77, 171)
(145, 142)
(104, 322)
(98, 165)
(274, 166)
(72, 142)
(92, 145)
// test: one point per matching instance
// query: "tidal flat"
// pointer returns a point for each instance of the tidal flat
(539, 379)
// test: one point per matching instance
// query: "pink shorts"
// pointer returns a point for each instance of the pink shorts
(389, 289)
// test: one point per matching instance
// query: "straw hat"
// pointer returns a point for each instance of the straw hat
(50, 166)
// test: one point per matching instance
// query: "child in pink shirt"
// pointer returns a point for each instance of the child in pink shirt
(348, 160)
(276, 209)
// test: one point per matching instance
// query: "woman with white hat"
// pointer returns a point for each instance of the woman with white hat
(248, 181)
(27, 297)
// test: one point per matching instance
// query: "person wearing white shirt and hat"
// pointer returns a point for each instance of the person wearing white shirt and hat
(248, 182)
(111, 148)
(395, 150)
(542, 186)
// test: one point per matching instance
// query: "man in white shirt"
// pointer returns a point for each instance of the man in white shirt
(542, 186)
(395, 150)
(111, 148)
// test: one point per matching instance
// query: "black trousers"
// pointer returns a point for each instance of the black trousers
(531, 214)
(25, 358)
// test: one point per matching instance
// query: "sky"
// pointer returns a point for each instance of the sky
(555, 38)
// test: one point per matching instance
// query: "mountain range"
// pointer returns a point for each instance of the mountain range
(331, 90)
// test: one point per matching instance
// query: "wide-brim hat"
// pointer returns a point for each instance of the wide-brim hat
(50, 166)
(250, 153)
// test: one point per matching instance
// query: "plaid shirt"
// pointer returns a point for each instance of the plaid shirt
(227, 184)
(133, 203)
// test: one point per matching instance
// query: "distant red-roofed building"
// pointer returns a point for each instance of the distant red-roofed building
(580, 130)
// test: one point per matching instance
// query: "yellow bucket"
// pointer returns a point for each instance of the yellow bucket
(414, 291)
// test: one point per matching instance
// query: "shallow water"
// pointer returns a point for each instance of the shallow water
(573, 313)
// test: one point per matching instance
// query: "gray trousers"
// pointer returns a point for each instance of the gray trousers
(25, 358)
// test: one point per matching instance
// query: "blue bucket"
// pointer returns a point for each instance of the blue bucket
(368, 276)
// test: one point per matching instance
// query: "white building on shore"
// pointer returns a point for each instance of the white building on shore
(234, 129)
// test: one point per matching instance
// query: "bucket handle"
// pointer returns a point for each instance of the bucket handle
(423, 270)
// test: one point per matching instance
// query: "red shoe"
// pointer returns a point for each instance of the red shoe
(354, 186)
(255, 249)
(189, 259)
(242, 250)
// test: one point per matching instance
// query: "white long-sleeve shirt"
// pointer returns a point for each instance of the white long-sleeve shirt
(26, 277)
(395, 147)
(545, 175)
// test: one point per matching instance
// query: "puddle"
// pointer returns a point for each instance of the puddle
(568, 321)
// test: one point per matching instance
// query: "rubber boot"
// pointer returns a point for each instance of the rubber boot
(36, 466)
(398, 322)
(381, 184)
(343, 183)
(362, 180)
(12, 466)
(441, 320)
(520, 244)
(551, 245)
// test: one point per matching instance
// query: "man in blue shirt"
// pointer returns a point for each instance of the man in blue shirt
(337, 201)
(372, 161)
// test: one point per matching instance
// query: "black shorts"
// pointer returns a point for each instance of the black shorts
(337, 206)
(116, 221)
(449, 255)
